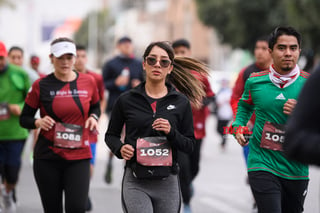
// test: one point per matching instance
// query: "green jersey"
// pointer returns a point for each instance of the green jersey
(14, 86)
(267, 100)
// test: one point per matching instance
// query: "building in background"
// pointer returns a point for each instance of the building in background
(169, 20)
(37, 22)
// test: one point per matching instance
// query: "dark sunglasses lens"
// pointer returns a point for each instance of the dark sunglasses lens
(151, 61)
(165, 63)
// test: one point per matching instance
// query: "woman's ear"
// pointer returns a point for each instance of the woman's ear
(143, 65)
(170, 69)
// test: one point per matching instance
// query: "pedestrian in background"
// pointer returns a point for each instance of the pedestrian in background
(224, 110)
(189, 163)
(15, 56)
(158, 123)
(81, 66)
(262, 62)
(120, 74)
(14, 83)
(69, 108)
(279, 185)
(35, 63)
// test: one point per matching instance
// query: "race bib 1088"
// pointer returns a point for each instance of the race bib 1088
(68, 136)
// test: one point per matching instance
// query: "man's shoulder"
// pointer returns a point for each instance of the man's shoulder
(112, 60)
(304, 74)
(252, 68)
(261, 74)
(116, 60)
(136, 60)
(94, 74)
(16, 69)
(85, 77)
(258, 77)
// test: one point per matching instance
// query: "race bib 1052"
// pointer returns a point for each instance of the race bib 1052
(154, 151)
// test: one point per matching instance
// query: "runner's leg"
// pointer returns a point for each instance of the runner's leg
(266, 189)
(48, 176)
(294, 194)
(76, 180)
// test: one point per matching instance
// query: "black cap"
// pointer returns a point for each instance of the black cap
(124, 39)
(181, 42)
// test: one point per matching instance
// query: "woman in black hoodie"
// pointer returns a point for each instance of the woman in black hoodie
(158, 121)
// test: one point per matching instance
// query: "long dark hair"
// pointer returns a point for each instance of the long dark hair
(181, 76)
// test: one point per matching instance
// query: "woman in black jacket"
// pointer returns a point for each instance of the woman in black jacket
(158, 121)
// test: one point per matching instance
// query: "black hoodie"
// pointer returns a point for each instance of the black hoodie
(133, 110)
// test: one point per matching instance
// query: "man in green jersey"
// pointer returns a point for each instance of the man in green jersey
(279, 185)
(14, 86)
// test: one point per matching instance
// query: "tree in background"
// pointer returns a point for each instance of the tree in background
(4, 3)
(240, 22)
(99, 24)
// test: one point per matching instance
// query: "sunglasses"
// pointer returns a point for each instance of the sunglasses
(163, 62)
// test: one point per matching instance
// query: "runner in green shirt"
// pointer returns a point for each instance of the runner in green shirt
(279, 185)
(14, 86)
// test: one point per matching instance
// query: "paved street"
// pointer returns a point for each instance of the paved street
(219, 188)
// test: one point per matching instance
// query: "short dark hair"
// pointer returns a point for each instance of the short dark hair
(81, 47)
(263, 38)
(181, 42)
(124, 39)
(279, 31)
(15, 48)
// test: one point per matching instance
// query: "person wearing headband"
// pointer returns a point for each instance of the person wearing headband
(69, 108)
(15, 84)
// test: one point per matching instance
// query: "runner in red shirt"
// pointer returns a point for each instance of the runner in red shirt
(69, 110)
(263, 61)
(80, 66)
(189, 163)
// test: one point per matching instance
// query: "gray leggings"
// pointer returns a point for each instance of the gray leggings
(146, 196)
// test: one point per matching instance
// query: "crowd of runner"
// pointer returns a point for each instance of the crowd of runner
(157, 107)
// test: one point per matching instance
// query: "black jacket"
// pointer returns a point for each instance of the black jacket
(133, 109)
(302, 139)
(112, 69)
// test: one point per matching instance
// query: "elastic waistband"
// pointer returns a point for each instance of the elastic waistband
(174, 168)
